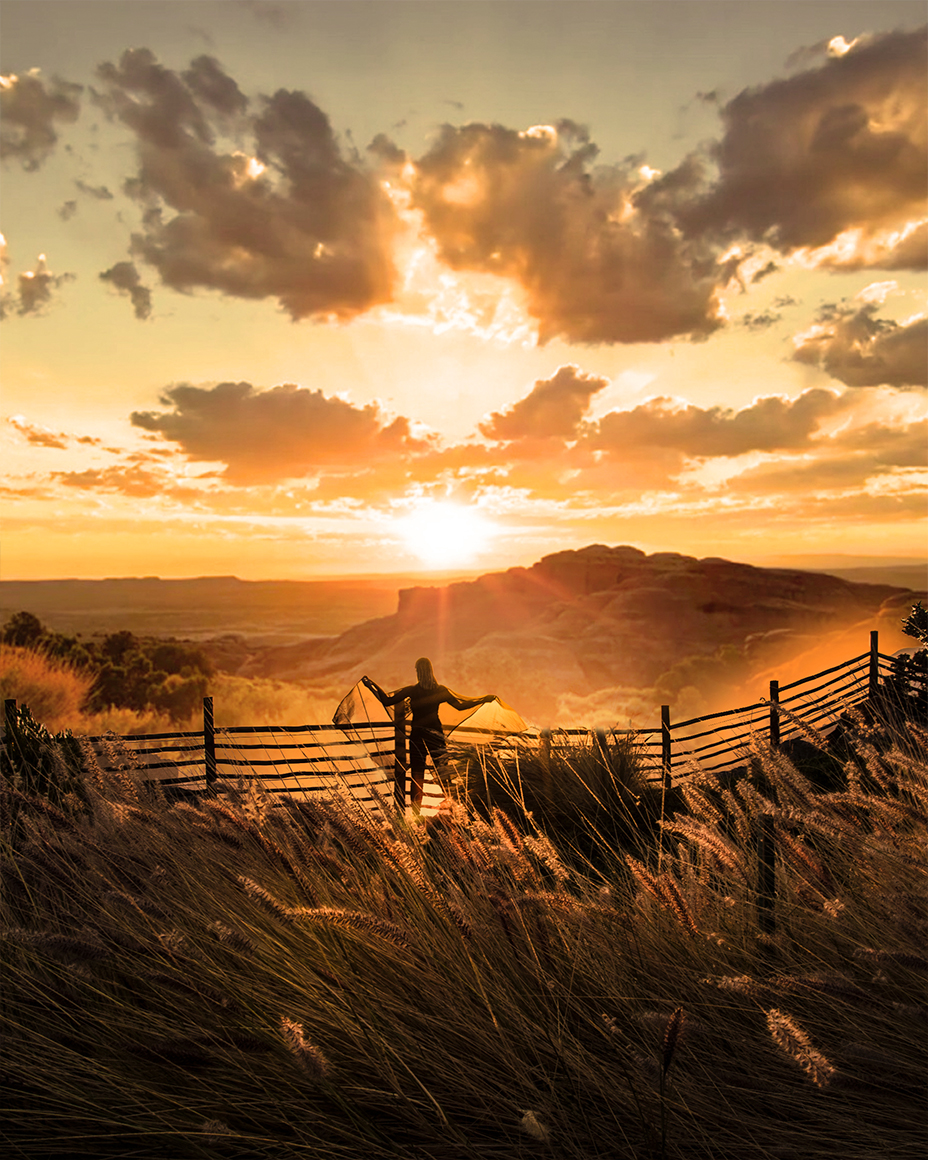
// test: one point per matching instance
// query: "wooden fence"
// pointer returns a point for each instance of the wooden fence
(367, 762)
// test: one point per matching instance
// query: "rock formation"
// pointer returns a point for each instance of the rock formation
(580, 622)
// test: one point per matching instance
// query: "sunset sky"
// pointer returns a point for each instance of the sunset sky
(299, 289)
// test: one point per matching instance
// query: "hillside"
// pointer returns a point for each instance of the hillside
(585, 631)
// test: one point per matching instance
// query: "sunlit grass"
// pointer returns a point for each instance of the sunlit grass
(57, 694)
(242, 977)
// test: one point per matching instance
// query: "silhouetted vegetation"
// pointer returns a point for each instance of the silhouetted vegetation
(241, 976)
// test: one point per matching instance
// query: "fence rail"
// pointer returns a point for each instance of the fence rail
(367, 762)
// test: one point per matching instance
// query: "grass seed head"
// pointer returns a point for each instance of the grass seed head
(793, 1041)
(307, 1054)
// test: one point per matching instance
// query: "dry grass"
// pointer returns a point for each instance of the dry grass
(202, 980)
(56, 694)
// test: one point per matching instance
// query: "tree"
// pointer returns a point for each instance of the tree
(23, 630)
(916, 624)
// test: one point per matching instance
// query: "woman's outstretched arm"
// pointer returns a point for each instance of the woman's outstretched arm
(383, 697)
(463, 703)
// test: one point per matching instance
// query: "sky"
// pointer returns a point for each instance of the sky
(294, 289)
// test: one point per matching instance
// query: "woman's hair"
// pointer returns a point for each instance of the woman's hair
(425, 673)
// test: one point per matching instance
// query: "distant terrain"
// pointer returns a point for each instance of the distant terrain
(268, 610)
(596, 636)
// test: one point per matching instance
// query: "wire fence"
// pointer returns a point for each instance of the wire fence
(366, 762)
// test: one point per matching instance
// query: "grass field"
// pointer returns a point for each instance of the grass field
(237, 977)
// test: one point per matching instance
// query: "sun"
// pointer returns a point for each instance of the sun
(445, 535)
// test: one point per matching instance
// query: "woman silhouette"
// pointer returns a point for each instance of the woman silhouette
(426, 735)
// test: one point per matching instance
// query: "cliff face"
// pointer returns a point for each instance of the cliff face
(583, 621)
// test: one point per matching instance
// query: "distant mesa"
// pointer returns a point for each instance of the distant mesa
(584, 621)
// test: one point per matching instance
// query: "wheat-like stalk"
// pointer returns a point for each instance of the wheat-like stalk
(793, 1041)
(354, 920)
(673, 1033)
(307, 1054)
(710, 841)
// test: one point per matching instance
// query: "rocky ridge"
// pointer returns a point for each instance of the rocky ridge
(580, 622)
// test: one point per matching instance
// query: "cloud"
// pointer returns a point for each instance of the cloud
(291, 218)
(553, 409)
(768, 424)
(859, 349)
(30, 109)
(98, 192)
(125, 277)
(277, 15)
(136, 482)
(901, 446)
(284, 432)
(67, 210)
(846, 460)
(835, 151)
(35, 289)
(38, 436)
(593, 266)
(761, 321)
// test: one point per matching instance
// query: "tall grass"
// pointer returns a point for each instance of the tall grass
(57, 694)
(243, 977)
(54, 692)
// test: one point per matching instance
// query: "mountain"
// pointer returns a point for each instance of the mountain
(590, 631)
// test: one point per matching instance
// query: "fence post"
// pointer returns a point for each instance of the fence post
(874, 686)
(209, 742)
(774, 714)
(666, 757)
(399, 756)
(766, 839)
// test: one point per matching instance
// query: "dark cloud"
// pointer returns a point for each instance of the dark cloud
(292, 220)
(67, 210)
(554, 408)
(768, 424)
(30, 111)
(99, 192)
(125, 277)
(530, 206)
(35, 289)
(210, 85)
(764, 272)
(806, 158)
(285, 432)
(761, 321)
(861, 350)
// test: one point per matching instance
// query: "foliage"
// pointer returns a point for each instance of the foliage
(53, 690)
(35, 762)
(129, 672)
(905, 692)
(241, 977)
(916, 624)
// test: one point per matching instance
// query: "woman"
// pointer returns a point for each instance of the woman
(426, 735)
